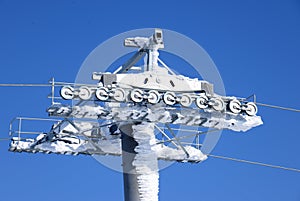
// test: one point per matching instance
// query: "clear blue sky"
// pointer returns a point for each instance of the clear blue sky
(255, 45)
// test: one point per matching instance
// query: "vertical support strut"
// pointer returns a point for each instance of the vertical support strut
(19, 130)
(52, 91)
(131, 192)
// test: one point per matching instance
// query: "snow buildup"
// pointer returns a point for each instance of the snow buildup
(22, 145)
(87, 111)
(110, 146)
(59, 109)
(146, 162)
(75, 138)
(158, 113)
(68, 139)
(168, 153)
(83, 111)
(234, 122)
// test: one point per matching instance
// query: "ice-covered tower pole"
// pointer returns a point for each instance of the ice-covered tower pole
(140, 166)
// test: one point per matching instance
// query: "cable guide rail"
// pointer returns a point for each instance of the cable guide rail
(55, 84)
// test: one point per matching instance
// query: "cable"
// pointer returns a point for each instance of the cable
(3, 139)
(43, 85)
(25, 85)
(278, 107)
(254, 163)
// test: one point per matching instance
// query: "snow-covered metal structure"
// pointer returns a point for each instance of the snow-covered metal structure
(136, 115)
(155, 84)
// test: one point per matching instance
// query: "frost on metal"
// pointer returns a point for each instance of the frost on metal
(71, 138)
(83, 137)
(145, 162)
(78, 138)
(159, 113)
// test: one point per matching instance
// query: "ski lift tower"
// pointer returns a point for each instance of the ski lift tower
(136, 112)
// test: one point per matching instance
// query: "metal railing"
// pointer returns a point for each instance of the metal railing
(19, 121)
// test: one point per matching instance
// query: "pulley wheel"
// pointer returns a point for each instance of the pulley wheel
(186, 100)
(218, 104)
(119, 95)
(235, 106)
(251, 109)
(67, 92)
(202, 101)
(153, 97)
(136, 95)
(102, 94)
(169, 98)
(84, 93)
